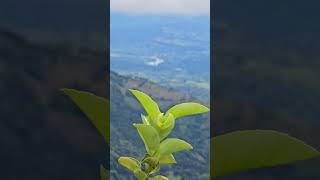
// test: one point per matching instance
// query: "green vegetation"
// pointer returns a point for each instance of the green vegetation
(230, 153)
(155, 128)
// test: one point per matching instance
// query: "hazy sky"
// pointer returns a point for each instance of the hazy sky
(162, 7)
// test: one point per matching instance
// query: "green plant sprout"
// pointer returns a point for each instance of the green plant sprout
(230, 153)
(155, 127)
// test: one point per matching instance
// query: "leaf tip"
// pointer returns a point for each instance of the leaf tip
(65, 90)
(132, 90)
(206, 109)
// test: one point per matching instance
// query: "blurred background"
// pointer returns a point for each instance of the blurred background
(163, 49)
(45, 46)
(266, 74)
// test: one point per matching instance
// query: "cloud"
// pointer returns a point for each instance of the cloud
(154, 61)
(162, 7)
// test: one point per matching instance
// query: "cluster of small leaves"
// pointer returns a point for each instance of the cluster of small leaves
(155, 127)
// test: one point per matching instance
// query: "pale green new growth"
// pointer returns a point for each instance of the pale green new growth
(145, 119)
(149, 105)
(186, 109)
(149, 136)
(156, 126)
(167, 159)
(130, 163)
(172, 145)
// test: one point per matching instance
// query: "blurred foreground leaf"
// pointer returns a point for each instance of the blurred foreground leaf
(104, 173)
(242, 150)
(95, 108)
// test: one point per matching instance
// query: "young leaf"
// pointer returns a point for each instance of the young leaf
(130, 163)
(165, 122)
(158, 119)
(104, 174)
(145, 119)
(167, 127)
(250, 149)
(140, 174)
(186, 109)
(148, 104)
(95, 108)
(149, 136)
(168, 159)
(170, 146)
